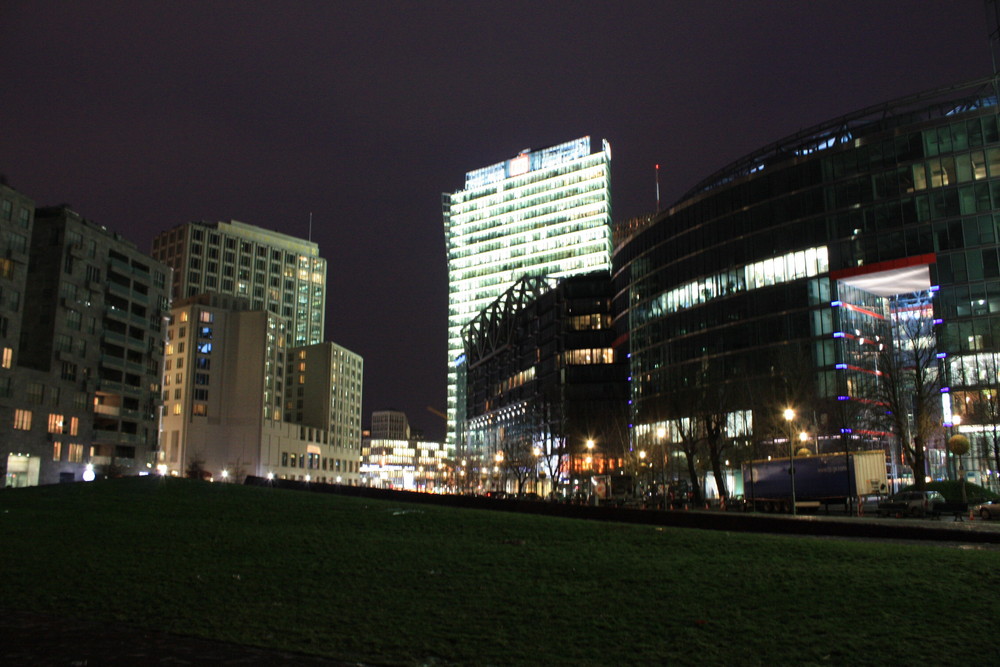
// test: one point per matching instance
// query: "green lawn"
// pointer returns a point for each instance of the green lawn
(386, 583)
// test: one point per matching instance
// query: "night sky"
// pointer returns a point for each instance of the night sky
(145, 115)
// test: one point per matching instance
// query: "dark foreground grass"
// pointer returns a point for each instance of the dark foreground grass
(375, 582)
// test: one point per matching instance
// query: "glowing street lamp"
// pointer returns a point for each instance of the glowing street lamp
(790, 417)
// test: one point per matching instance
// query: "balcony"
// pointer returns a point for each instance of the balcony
(113, 336)
(122, 267)
(121, 290)
(116, 437)
(112, 362)
(117, 314)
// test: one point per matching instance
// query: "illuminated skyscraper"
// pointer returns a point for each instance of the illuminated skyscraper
(541, 213)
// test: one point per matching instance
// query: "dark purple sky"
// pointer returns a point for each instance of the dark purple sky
(144, 115)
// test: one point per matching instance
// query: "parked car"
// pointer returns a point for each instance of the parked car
(910, 503)
(988, 510)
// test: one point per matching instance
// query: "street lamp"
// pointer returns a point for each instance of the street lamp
(590, 468)
(790, 417)
(661, 433)
(499, 463)
(537, 452)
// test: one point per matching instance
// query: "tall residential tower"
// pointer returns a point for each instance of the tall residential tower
(540, 213)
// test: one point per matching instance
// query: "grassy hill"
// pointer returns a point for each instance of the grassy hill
(370, 581)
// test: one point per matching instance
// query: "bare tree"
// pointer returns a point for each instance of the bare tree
(909, 385)
(519, 459)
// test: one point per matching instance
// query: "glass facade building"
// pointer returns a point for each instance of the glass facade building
(787, 263)
(541, 213)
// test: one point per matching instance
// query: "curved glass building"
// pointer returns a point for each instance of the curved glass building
(772, 280)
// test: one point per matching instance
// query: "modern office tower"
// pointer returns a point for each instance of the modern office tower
(541, 213)
(546, 396)
(390, 425)
(324, 392)
(275, 272)
(87, 381)
(782, 281)
(224, 389)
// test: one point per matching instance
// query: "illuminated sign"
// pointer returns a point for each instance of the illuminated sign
(529, 161)
(519, 165)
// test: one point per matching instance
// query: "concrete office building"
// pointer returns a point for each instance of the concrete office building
(85, 388)
(390, 425)
(275, 272)
(324, 392)
(224, 395)
(540, 213)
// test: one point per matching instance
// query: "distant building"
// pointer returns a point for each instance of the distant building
(389, 461)
(546, 392)
(85, 389)
(225, 389)
(390, 425)
(541, 213)
(324, 391)
(275, 272)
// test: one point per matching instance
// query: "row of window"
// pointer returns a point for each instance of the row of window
(57, 424)
(311, 461)
(73, 452)
(7, 213)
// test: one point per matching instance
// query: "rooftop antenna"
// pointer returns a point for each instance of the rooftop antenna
(657, 188)
(310, 226)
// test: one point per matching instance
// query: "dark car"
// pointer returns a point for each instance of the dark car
(988, 510)
(910, 503)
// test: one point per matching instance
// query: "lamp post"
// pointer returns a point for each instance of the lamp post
(536, 452)
(499, 464)
(661, 433)
(790, 417)
(590, 468)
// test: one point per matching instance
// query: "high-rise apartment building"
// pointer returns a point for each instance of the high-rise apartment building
(85, 388)
(275, 272)
(541, 213)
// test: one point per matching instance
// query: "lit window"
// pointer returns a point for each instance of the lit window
(57, 451)
(76, 453)
(74, 425)
(8, 357)
(22, 420)
(184, 316)
(200, 409)
(177, 408)
(55, 423)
